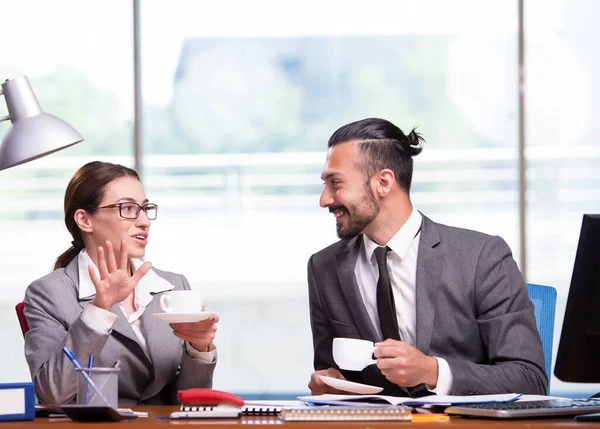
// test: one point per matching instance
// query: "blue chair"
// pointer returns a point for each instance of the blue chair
(544, 302)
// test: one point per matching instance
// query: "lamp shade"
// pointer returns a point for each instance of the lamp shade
(33, 133)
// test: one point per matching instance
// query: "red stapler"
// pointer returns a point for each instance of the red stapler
(208, 396)
(207, 404)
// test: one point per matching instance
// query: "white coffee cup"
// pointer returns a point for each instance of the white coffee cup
(181, 301)
(353, 354)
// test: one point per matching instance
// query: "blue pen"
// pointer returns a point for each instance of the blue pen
(87, 387)
(73, 359)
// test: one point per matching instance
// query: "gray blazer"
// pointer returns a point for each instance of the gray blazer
(472, 310)
(53, 311)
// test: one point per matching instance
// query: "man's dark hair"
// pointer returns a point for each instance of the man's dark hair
(382, 145)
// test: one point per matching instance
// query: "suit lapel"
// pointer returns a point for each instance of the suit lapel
(161, 352)
(345, 263)
(122, 325)
(429, 275)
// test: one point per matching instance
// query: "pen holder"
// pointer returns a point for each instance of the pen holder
(98, 386)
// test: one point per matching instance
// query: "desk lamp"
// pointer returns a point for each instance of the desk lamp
(33, 133)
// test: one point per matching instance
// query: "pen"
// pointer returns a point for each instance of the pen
(73, 359)
(426, 418)
(87, 387)
(116, 364)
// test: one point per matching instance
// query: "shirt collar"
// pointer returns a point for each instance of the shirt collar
(401, 241)
(149, 284)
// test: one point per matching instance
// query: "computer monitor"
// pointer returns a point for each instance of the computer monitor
(578, 358)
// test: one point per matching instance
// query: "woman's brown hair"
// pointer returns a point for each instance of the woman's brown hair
(85, 191)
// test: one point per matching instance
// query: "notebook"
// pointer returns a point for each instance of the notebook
(223, 411)
(343, 414)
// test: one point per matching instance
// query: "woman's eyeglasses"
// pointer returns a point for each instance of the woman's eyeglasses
(132, 210)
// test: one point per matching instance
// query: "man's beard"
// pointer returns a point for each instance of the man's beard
(359, 215)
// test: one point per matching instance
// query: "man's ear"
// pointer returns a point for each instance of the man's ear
(385, 181)
(83, 221)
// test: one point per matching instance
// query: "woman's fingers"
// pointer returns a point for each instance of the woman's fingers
(141, 272)
(102, 263)
(94, 277)
(110, 257)
(124, 261)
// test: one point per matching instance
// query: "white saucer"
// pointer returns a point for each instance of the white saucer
(182, 317)
(350, 386)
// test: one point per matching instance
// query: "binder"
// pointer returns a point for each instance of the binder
(17, 401)
(347, 414)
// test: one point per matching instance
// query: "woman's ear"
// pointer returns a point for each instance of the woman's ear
(83, 221)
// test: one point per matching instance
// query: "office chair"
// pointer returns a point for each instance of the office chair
(544, 302)
(20, 307)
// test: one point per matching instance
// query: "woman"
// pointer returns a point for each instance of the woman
(100, 296)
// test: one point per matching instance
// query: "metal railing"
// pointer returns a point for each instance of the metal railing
(292, 180)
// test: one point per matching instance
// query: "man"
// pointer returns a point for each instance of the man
(447, 307)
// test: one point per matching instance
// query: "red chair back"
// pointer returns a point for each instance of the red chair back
(21, 315)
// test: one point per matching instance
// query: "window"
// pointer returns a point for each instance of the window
(80, 70)
(238, 109)
(563, 148)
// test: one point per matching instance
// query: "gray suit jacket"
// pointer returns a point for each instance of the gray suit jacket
(53, 311)
(472, 310)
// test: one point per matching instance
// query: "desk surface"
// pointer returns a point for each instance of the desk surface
(163, 411)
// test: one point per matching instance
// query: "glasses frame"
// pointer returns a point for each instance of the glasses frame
(143, 207)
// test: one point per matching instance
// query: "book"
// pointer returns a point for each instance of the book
(342, 414)
(17, 401)
(442, 400)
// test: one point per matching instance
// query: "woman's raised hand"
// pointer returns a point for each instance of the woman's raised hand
(115, 283)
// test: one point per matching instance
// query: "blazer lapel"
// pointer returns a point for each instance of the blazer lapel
(161, 352)
(429, 274)
(345, 263)
(123, 327)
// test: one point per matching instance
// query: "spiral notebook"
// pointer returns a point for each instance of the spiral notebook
(223, 411)
(342, 414)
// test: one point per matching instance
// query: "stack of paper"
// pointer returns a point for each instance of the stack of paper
(444, 400)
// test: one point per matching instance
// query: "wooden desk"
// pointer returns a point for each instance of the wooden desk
(158, 411)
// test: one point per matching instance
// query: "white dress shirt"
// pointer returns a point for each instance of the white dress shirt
(101, 320)
(402, 265)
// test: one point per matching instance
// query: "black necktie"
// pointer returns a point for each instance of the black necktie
(385, 299)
